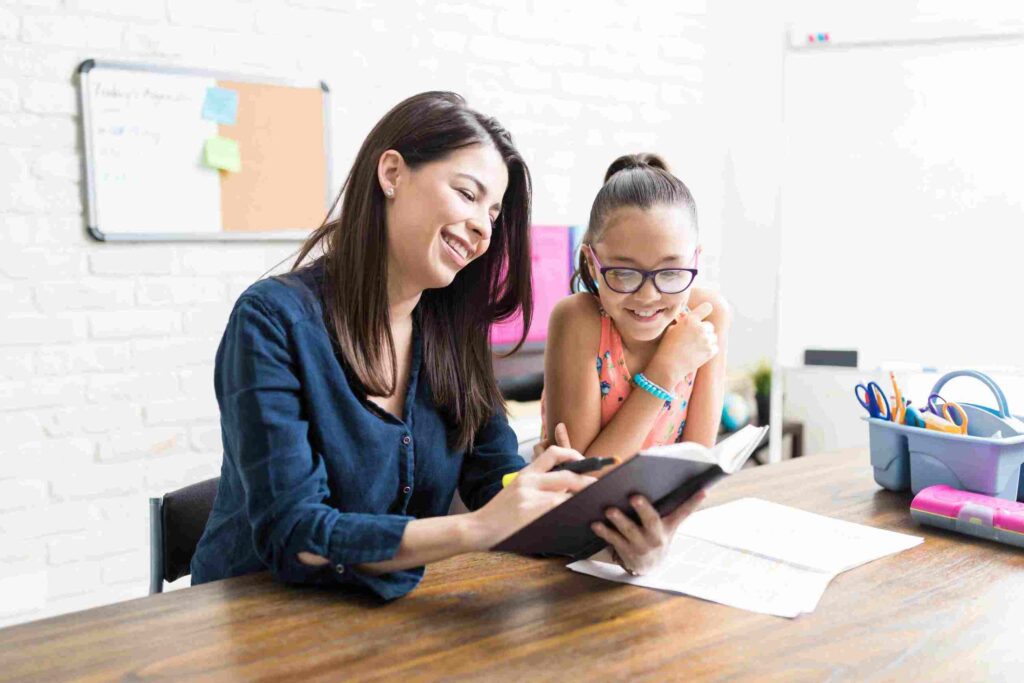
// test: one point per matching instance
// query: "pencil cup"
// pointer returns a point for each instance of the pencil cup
(967, 463)
(908, 457)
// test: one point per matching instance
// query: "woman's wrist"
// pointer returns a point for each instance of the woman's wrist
(473, 532)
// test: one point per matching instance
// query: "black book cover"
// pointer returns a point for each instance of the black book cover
(667, 475)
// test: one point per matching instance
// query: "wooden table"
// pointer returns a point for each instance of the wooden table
(950, 609)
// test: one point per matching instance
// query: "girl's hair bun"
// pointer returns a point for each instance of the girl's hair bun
(642, 160)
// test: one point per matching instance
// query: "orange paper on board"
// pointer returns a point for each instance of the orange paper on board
(282, 184)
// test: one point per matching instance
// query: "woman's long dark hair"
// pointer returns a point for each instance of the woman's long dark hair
(455, 321)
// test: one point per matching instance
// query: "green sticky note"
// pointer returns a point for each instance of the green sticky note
(222, 153)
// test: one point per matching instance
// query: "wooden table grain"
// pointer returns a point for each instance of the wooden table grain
(949, 609)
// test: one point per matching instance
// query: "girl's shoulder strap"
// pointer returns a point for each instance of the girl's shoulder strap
(611, 342)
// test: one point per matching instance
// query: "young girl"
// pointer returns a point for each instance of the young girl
(637, 359)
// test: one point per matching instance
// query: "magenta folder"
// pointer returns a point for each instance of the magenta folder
(550, 259)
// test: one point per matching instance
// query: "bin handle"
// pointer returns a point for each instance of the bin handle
(1004, 410)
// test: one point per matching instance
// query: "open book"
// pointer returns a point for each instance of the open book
(666, 475)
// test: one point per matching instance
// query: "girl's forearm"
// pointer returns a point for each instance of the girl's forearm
(625, 434)
(705, 412)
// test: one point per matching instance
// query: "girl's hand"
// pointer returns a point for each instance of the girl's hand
(688, 343)
(535, 491)
(639, 548)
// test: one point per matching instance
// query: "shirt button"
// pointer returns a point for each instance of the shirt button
(406, 439)
(406, 489)
(340, 568)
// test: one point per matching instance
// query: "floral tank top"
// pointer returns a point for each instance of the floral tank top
(617, 382)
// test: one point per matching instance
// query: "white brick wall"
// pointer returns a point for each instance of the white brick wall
(106, 350)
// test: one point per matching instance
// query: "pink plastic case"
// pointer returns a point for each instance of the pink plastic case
(975, 514)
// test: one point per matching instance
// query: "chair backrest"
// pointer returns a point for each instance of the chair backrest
(522, 387)
(182, 519)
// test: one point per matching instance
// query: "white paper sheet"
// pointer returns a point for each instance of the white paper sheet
(723, 575)
(794, 536)
(739, 554)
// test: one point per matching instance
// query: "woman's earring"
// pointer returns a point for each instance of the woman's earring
(390, 192)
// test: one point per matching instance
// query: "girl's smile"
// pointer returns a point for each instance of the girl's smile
(647, 316)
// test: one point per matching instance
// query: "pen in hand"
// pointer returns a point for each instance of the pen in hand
(577, 466)
(585, 465)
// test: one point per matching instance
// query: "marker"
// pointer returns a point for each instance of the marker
(585, 465)
(577, 466)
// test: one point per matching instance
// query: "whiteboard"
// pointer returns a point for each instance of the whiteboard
(146, 129)
(146, 140)
(903, 204)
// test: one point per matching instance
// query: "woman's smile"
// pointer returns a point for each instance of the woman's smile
(458, 249)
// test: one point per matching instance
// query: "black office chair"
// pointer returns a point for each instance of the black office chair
(522, 387)
(176, 523)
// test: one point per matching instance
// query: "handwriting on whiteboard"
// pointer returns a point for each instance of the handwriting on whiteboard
(147, 133)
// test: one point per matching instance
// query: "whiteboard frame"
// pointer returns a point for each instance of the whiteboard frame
(293, 235)
(794, 42)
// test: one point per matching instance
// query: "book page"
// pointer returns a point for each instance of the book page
(730, 454)
(734, 451)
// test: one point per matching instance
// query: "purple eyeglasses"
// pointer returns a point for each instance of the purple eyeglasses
(629, 280)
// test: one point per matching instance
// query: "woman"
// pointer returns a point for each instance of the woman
(356, 392)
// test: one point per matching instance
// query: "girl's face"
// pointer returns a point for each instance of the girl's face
(441, 214)
(651, 239)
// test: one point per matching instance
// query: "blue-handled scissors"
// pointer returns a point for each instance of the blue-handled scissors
(873, 399)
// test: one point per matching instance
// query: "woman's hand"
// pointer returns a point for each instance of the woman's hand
(687, 344)
(638, 548)
(535, 491)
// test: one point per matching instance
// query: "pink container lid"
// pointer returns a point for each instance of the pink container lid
(947, 501)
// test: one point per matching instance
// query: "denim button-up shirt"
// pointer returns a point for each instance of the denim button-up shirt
(311, 465)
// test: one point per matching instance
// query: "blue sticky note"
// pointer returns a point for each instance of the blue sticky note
(221, 105)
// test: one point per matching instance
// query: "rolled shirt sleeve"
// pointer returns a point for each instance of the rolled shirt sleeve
(494, 454)
(284, 480)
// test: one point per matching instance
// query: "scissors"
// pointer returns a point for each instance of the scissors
(940, 416)
(873, 400)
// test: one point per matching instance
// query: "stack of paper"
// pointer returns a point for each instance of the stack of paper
(758, 556)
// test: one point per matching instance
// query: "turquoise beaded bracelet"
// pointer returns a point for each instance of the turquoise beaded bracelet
(651, 388)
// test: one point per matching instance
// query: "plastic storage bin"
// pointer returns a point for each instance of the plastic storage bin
(909, 457)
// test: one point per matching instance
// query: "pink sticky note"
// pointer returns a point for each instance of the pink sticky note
(550, 249)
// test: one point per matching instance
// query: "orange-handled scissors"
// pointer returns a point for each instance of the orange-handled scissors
(946, 417)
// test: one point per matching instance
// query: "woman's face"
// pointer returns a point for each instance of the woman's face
(647, 239)
(440, 216)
